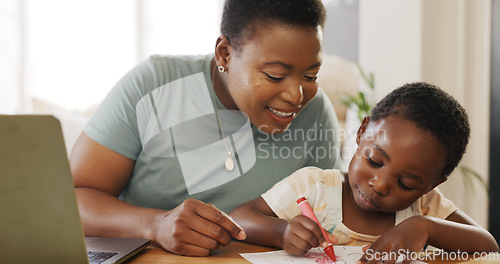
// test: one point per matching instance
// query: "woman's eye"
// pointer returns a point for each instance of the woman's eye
(373, 163)
(311, 78)
(273, 78)
(404, 186)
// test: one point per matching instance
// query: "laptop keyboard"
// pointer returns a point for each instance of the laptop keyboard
(96, 257)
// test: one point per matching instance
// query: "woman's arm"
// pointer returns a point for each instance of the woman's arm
(99, 174)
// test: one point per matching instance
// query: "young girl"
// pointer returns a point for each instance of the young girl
(409, 145)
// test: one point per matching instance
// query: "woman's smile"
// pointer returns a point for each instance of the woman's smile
(273, 76)
(282, 117)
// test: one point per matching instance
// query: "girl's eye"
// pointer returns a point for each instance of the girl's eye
(404, 186)
(373, 163)
(273, 78)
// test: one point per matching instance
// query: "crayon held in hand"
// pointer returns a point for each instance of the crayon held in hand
(307, 211)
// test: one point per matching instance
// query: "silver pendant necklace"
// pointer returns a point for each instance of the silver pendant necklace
(229, 162)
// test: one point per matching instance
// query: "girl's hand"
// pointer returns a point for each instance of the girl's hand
(409, 236)
(301, 234)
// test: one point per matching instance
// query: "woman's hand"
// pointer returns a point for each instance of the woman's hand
(409, 236)
(195, 229)
(301, 234)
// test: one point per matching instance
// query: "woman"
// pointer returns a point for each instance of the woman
(181, 140)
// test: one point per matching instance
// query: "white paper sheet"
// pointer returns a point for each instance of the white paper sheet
(345, 255)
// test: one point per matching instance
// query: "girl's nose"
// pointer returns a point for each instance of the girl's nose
(379, 185)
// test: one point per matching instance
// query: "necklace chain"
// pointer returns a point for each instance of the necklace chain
(229, 163)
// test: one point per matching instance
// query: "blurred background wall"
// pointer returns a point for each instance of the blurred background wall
(62, 57)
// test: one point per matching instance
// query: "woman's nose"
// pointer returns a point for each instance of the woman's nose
(293, 94)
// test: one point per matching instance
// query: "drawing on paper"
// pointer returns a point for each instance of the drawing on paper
(345, 255)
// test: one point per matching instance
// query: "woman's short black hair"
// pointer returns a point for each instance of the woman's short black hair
(432, 110)
(240, 18)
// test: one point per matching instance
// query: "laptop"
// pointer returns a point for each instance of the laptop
(39, 218)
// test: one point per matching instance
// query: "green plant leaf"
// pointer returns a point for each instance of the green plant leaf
(469, 175)
(348, 100)
(369, 80)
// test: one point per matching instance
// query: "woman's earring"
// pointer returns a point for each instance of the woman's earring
(221, 68)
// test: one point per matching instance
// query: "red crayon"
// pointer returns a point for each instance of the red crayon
(307, 211)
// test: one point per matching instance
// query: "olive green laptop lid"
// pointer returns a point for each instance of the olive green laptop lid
(39, 220)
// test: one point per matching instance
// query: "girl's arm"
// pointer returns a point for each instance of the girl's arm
(459, 232)
(260, 223)
(263, 227)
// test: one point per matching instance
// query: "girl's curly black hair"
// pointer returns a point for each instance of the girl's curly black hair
(432, 110)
